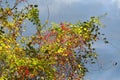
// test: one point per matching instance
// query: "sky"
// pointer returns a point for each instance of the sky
(74, 10)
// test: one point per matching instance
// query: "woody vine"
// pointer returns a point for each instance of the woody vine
(58, 53)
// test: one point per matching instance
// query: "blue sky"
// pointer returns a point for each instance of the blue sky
(74, 10)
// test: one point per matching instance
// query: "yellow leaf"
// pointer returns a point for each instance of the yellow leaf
(79, 66)
(0, 48)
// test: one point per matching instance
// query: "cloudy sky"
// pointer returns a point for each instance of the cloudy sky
(74, 10)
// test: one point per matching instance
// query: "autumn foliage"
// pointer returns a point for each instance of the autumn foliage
(58, 53)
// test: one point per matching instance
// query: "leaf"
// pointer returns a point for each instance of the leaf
(106, 42)
(115, 63)
(35, 5)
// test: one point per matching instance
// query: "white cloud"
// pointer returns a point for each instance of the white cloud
(116, 2)
(55, 5)
(68, 2)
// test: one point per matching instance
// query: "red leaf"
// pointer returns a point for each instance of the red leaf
(27, 72)
(63, 27)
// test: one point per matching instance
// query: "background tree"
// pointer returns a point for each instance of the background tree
(58, 53)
